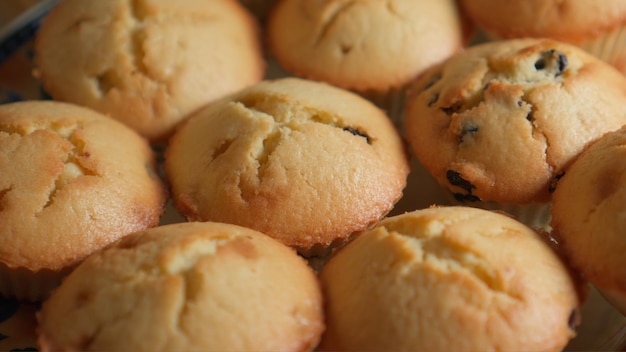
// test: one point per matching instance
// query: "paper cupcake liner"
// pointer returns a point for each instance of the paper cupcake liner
(25, 285)
(609, 47)
(391, 101)
(534, 215)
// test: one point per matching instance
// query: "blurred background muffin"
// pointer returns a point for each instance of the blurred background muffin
(302, 161)
(150, 63)
(596, 26)
(371, 47)
(448, 279)
(72, 182)
(186, 287)
(588, 217)
(498, 123)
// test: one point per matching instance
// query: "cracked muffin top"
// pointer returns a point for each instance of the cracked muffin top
(500, 121)
(186, 287)
(363, 45)
(304, 162)
(147, 63)
(449, 279)
(587, 215)
(71, 182)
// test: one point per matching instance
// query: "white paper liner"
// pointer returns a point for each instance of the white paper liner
(534, 215)
(26, 285)
(391, 101)
(610, 47)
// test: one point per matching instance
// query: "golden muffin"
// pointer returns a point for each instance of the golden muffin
(186, 287)
(71, 182)
(448, 279)
(148, 63)
(587, 215)
(304, 162)
(499, 122)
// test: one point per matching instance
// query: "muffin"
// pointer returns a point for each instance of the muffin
(371, 47)
(150, 63)
(186, 287)
(499, 122)
(587, 215)
(71, 182)
(304, 162)
(448, 279)
(596, 26)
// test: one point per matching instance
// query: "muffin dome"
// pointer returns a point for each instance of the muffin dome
(448, 279)
(501, 120)
(147, 63)
(304, 162)
(71, 182)
(363, 45)
(187, 287)
(587, 209)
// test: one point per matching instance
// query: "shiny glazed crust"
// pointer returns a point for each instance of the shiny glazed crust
(363, 45)
(72, 182)
(304, 162)
(148, 63)
(501, 120)
(448, 279)
(587, 209)
(187, 287)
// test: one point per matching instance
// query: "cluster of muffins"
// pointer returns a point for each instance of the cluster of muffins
(290, 236)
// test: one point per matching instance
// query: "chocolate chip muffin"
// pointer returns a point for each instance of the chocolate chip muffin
(449, 279)
(598, 27)
(148, 63)
(304, 162)
(498, 123)
(587, 215)
(371, 47)
(186, 287)
(71, 182)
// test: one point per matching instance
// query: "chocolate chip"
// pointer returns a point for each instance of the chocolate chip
(562, 62)
(456, 179)
(465, 197)
(555, 181)
(529, 116)
(552, 60)
(540, 64)
(433, 99)
(468, 128)
(356, 132)
(454, 108)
